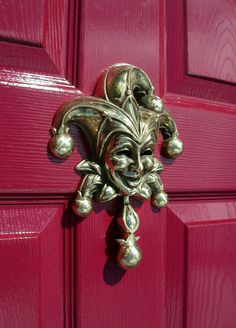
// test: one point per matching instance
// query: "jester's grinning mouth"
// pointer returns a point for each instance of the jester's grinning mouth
(131, 175)
(127, 181)
(133, 179)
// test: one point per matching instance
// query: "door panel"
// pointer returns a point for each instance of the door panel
(211, 274)
(116, 297)
(26, 166)
(207, 164)
(33, 35)
(115, 31)
(37, 75)
(211, 39)
(181, 33)
(200, 249)
(32, 260)
(14, 26)
(58, 270)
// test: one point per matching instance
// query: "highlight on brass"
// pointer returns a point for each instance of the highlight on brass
(121, 122)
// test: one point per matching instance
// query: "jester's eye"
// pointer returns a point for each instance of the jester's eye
(125, 152)
(147, 152)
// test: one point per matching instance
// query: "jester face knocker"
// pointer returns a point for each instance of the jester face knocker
(122, 122)
(129, 161)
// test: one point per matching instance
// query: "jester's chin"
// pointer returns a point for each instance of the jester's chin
(129, 183)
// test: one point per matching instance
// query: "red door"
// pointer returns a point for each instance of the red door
(54, 268)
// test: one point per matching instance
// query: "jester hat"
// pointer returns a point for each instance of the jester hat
(123, 103)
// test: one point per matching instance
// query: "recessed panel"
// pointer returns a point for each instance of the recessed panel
(34, 36)
(31, 261)
(211, 294)
(22, 21)
(200, 50)
(201, 264)
(211, 32)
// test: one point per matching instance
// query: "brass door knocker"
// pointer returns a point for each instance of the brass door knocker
(122, 122)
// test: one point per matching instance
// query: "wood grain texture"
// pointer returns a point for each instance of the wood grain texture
(201, 270)
(36, 41)
(211, 295)
(22, 21)
(27, 166)
(207, 163)
(115, 297)
(211, 31)
(55, 33)
(31, 275)
(175, 54)
(124, 31)
(66, 272)
(26, 161)
(175, 270)
(19, 57)
(195, 211)
(73, 42)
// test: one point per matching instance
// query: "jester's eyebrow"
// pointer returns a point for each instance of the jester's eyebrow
(125, 144)
(148, 143)
(122, 143)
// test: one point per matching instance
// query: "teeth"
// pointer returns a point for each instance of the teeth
(131, 175)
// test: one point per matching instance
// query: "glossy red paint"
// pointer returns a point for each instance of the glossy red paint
(200, 263)
(181, 78)
(31, 283)
(214, 53)
(56, 270)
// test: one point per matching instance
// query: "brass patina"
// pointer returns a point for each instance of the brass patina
(122, 122)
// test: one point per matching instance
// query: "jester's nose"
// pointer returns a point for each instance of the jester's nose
(137, 166)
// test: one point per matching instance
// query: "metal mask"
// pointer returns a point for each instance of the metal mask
(122, 122)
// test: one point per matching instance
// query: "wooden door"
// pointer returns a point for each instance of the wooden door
(54, 268)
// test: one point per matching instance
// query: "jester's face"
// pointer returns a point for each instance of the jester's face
(128, 162)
